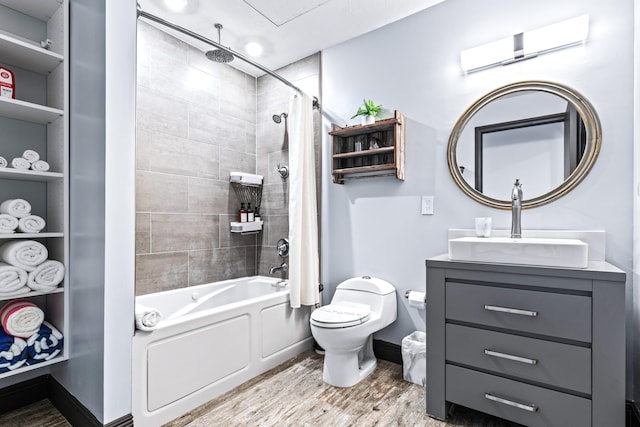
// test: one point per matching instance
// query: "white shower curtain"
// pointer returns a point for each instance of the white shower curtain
(304, 276)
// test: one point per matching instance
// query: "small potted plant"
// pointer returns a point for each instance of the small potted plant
(368, 110)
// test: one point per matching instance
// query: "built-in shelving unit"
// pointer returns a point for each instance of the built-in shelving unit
(38, 120)
(369, 150)
(248, 188)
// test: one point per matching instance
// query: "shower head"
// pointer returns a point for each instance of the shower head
(219, 55)
(278, 117)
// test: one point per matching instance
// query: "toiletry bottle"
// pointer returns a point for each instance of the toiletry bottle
(250, 214)
(7, 83)
(242, 214)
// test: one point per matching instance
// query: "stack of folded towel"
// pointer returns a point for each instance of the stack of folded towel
(25, 337)
(30, 160)
(16, 214)
(24, 267)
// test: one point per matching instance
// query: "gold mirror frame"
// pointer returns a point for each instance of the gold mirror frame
(592, 148)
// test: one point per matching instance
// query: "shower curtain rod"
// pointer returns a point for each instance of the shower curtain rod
(143, 14)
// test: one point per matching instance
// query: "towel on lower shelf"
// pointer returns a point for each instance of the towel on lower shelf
(13, 352)
(40, 166)
(44, 344)
(3, 162)
(13, 280)
(47, 276)
(8, 223)
(21, 318)
(31, 224)
(147, 318)
(20, 163)
(16, 207)
(25, 254)
(31, 156)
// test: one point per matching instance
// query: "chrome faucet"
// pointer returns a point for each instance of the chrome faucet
(284, 268)
(516, 210)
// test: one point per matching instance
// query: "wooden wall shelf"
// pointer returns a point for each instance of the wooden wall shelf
(368, 162)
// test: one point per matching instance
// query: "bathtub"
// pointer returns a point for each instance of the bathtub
(212, 338)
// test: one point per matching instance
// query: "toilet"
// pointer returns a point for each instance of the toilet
(345, 327)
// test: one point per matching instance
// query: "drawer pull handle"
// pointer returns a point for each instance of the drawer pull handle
(530, 408)
(511, 310)
(510, 357)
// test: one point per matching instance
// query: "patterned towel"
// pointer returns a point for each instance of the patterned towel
(13, 352)
(44, 344)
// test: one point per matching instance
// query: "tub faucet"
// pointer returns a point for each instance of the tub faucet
(516, 210)
(284, 268)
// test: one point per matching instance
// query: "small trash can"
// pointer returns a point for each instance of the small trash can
(414, 358)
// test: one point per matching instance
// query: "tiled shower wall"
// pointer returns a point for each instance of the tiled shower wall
(196, 122)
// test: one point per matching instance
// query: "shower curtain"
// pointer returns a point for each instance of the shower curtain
(304, 276)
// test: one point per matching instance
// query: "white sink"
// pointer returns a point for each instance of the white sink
(528, 251)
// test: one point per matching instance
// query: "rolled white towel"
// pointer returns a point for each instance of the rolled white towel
(3, 162)
(21, 318)
(12, 279)
(31, 224)
(8, 223)
(147, 318)
(47, 276)
(25, 254)
(16, 207)
(20, 163)
(31, 156)
(40, 166)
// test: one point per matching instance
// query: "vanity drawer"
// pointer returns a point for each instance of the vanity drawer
(560, 365)
(515, 401)
(546, 313)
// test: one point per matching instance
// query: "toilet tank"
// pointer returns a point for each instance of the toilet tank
(374, 292)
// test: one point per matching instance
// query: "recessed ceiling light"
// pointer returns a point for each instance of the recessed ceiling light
(253, 49)
(176, 5)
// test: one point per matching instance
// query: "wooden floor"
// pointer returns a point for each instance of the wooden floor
(293, 394)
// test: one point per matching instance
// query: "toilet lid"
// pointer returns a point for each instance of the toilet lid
(340, 315)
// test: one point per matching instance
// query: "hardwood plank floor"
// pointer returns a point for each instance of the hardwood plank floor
(293, 394)
(39, 414)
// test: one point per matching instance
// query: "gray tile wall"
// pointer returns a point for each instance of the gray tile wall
(197, 121)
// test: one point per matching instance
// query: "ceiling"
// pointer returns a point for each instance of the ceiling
(288, 30)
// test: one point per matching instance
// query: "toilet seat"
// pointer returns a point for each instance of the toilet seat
(340, 315)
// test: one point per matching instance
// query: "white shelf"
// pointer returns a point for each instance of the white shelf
(34, 294)
(27, 111)
(27, 55)
(41, 9)
(29, 175)
(26, 368)
(30, 235)
(245, 227)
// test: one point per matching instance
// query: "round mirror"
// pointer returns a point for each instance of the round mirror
(544, 134)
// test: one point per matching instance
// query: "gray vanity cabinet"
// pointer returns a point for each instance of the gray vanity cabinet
(536, 345)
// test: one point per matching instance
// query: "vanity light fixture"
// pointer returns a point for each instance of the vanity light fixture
(526, 45)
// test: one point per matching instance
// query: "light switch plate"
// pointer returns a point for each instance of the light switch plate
(427, 205)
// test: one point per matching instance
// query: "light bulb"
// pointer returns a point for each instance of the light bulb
(176, 5)
(253, 49)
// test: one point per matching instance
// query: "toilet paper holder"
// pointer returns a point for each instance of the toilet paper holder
(406, 295)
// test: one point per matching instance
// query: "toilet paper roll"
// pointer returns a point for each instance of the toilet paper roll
(416, 299)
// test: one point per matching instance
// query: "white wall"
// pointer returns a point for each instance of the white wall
(374, 226)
